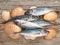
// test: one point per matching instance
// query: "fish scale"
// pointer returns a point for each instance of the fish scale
(39, 11)
(24, 17)
(41, 21)
(32, 24)
(33, 32)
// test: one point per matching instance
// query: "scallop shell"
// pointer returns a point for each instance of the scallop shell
(5, 15)
(10, 28)
(17, 11)
(52, 33)
(51, 16)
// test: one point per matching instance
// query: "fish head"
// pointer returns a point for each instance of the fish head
(43, 32)
(39, 11)
(19, 21)
(31, 12)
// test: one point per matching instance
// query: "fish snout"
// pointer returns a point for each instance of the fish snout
(16, 21)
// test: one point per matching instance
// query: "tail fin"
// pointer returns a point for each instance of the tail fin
(9, 20)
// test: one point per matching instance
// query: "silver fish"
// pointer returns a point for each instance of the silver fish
(39, 11)
(34, 33)
(32, 24)
(24, 17)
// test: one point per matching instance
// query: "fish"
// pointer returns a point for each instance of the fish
(38, 11)
(23, 17)
(34, 33)
(32, 24)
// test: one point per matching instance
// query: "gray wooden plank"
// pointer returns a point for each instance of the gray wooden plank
(9, 7)
(29, 2)
(9, 4)
(26, 4)
(40, 3)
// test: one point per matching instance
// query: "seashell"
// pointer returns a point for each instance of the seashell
(10, 28)
(51, 16)
(17, 11)
(52, 33)
(5, 15)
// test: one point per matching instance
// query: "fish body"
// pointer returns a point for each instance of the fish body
(33, 33)
(32, 24)
(26, 17)
(23, 17)
(39, 11)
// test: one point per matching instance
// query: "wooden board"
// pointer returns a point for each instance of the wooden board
(9, 4)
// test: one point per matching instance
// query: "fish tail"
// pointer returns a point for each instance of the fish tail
(57, 24)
